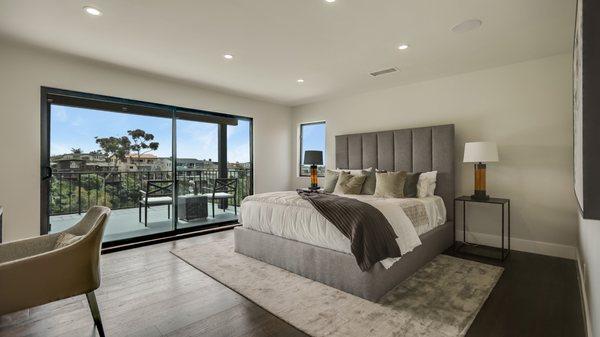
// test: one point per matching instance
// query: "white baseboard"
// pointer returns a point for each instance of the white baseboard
(530, 246)
(584, 294)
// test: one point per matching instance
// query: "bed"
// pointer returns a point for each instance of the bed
(282, 231)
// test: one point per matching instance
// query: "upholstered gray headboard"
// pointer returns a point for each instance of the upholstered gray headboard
(412, 150)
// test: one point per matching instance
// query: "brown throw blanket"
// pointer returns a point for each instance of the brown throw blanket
(372, 238)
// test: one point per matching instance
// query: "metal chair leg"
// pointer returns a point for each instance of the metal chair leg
(168, 211)
(213, 206)
(140, 212)
(146, 216)
(91, 297)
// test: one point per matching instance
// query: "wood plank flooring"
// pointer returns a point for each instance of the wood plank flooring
(149, 292)
(537, 295)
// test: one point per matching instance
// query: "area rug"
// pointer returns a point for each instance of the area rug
(441, 299)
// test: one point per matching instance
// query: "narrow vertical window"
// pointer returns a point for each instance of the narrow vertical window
(312, 138)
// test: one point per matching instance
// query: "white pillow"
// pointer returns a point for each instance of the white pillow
(426, 184)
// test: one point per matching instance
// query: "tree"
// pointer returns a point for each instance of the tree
(115, 148)
(76, 150)
(141, 142)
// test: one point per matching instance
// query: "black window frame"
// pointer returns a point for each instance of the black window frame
(48, 95)
(301, 138)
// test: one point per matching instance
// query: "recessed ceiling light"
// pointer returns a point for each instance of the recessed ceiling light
(228, 56)
(300, 81)
(466, 26)
(330, 1)
(92, 11)
(403, 46)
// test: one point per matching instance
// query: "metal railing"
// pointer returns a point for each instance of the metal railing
(75, 192)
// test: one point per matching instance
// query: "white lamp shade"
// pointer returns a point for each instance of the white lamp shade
(480, 152)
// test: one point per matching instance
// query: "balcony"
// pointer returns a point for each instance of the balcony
(72, 193)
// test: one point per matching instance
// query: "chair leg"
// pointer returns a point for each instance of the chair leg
(91, 297)
(213, 205)
(145, 216)
(234, 207)
(140, 212)
(168, 211)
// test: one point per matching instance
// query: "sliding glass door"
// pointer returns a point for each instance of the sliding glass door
(162, 170)
(213, 168)
(197, 170)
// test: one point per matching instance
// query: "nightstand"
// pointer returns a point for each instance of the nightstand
(465, 246)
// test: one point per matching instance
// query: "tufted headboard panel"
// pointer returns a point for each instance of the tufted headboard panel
(414, 150)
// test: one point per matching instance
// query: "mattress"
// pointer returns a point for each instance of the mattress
(287, 215)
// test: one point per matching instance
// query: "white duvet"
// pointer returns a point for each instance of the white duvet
(287, 215)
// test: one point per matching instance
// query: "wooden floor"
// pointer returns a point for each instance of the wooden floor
(537, 295)
(149, 292)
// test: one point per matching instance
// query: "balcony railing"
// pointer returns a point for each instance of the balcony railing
(75, 192)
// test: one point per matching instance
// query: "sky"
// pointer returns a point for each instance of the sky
(313, 138)
(76, 128)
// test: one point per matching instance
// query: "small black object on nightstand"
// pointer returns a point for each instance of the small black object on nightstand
(465, 244)
(311, 190)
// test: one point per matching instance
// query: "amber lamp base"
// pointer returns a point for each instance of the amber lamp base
(480, 183)
(314, 180)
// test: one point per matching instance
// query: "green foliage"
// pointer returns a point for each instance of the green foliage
(141, 140)
(68, 192)
(115, 148)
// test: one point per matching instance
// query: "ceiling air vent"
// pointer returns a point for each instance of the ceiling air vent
(383, 72)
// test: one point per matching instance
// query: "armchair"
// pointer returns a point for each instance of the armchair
(33, 272)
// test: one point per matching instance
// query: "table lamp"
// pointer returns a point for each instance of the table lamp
(313, 158)
(480, 153)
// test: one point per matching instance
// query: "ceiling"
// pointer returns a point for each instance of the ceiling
(332, 46)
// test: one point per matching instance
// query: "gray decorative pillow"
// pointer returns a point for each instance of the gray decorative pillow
(390, 184)
(349, 184)
(65, 239)
(410, 184)
(369, 185)
(331, 178)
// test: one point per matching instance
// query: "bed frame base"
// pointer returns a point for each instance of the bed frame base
(339, 270)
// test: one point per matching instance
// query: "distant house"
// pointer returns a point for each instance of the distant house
(238, 166)
(196, 164)
(135, 163)
(80, 162)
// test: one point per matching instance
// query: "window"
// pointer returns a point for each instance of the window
(312, 137)
(100, 150)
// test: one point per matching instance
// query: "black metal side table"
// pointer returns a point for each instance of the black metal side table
(499, 201)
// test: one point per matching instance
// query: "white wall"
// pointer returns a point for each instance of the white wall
(589, 264)
(23, 70)
(526, 108)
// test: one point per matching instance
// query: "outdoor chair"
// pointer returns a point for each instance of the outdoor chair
(53, 267)
(155, 193)
(223, 189)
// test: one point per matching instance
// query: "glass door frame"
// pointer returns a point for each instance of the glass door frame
(108, 103)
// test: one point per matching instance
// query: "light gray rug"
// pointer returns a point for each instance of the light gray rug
(441, 299)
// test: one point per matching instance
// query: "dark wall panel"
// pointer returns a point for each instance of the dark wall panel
(403, 150)
(341, 152)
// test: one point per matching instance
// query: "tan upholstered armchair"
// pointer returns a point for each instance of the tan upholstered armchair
(33, 272)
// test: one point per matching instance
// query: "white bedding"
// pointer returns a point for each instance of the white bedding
(287, 215)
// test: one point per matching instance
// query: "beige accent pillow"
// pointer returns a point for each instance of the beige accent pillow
(331, 178)
(390, 184)
(66, 239)
(349, 184)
